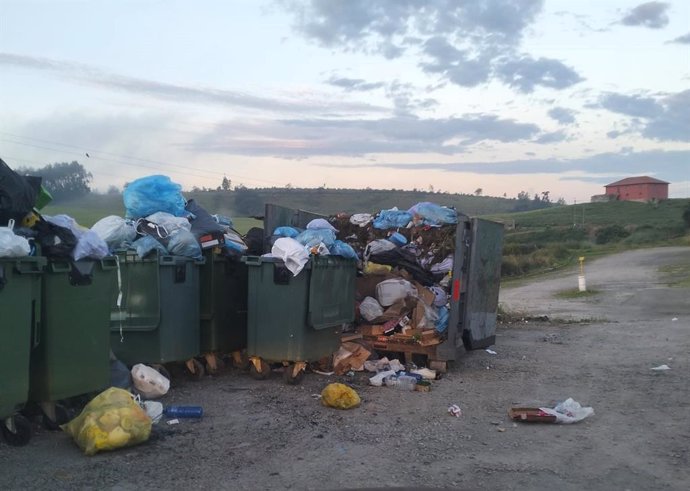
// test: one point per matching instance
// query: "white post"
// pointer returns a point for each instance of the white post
(581, 283)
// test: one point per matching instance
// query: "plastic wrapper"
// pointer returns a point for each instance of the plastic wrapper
(339, 396)
(568, 411)
(340, 248)
(293, 254)
(147, 244)
(183, 243)
(320, 224)
(12, 245)
(393, 218)
(223, 221)
(169, 222)
(149, 382)
(426, 213)
(313, 237)
(286, 232)
(234, 243)
(370, 309)
(111, 420)
(115, 231)
(441, 323)
(90, 245)
(151, 194)
(377, 247)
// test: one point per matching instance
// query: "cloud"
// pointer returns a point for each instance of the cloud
(650, 14)
(667, 165)
(89, 75)
(299, 138)
(684, 39)
(554, 137)
(562, 115)
(465, 43)
(525, 73)
(354, 84)
(664, 118)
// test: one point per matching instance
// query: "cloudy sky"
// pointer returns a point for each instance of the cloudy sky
(503, 95)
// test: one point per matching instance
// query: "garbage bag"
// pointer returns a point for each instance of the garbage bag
(370, 309)
(225, 222)
(17, 194)
(293, 254)
(313, 237)
(286, 232)
(378, 246)
(147, 244)
(202, 221)
(111, 420)
(441, 323)
(339, 396)
(12, 245)
(234, 243)
(169, 222)
(90, 245)
(392, 218)
(426, 213)
(115, 231)
(67, 222)
(340, 248)
(254, 238)
(149, 382)
(120, 375)
(569, 411)
(150, 194)
(55, 241)
(320, 224)
(183, 243)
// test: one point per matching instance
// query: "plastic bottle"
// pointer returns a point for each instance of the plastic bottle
(184, 411)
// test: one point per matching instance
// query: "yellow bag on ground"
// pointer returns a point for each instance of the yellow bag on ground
(111, 420)
(339, 396)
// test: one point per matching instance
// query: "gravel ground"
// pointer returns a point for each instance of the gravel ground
(267, 435)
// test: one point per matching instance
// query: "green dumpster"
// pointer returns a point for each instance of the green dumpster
(222, 305)
(70, 356)
(20, 304)
(297, 319)
(158, 319)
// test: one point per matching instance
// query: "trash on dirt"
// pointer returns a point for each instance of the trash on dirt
(340, 396)
(426, 373)
(111, 420)
(377, 380)
(149, 382)
(195, 412)
(350, 356)
(327, 374)
(384, 364)
(423, 386)
(490, 351)
(566, 412)
(661, 368)
(154, 410)
(674, 319)
(454, 410)
(174, 422)
(501, 430)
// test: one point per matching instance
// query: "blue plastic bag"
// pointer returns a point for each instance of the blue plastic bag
(184, 243)
(146, 244)
(291, 232)
(313, 237)
(426, 213)
(151, 194)
(392, 219)
(340, 248)
(442, 321)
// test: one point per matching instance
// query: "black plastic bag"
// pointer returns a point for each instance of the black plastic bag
(202, 221)
(55, 241)
(17, 194)
(255, 241)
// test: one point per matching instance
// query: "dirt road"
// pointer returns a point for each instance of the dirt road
(266, 435)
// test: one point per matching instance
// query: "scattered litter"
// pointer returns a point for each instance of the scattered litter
(149, 382)
(568, 411)
(184, 412)
(500, 430)
(423, 386)
(454, 410)
(661, 368)
(490, 351)
(340, 396)
(377, 380)
(674, 319)
(174, 422)
(426, 373)
(327, 374)
(154, 410)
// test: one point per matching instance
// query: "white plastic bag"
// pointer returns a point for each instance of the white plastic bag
(90, 245)
(148, 382)
(115, 231)
(320, 223)
(378, 246)
(11, 244)
(293, 254)
(370, 309)
(569, 411)
(390, 291)
(171, 223)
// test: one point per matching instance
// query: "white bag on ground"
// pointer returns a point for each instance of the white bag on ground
(569, 411)
(370, 309)
(390, 291)
(149, 382)
(293, 254)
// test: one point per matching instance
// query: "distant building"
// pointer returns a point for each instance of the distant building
(641, 188)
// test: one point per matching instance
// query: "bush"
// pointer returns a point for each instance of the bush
(611, 233)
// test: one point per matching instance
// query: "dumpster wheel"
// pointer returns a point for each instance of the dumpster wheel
(54, 415)
(214, 363)
(259, 369)
(16, 430)
(195, 368)
(240, 360)
(294, 372)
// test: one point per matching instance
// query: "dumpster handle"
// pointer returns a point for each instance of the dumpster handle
(26, 267)
(252, 260)
(60, 267)
(109, 262)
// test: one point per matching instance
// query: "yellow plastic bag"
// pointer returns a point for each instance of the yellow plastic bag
(339, 396)
(374, 268)
(111, 420)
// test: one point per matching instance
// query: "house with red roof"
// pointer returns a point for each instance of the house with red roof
(641, 188)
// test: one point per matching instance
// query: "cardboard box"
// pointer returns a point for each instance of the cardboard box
(371, 330)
